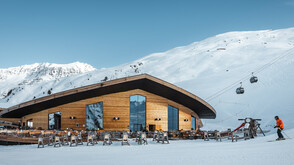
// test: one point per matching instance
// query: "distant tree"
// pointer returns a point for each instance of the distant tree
(105, 79)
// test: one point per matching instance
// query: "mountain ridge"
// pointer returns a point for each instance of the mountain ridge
(202, 68)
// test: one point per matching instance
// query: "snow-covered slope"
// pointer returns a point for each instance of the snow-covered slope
(203, 68)
(44, 71)
(244, 152)
(23, 83)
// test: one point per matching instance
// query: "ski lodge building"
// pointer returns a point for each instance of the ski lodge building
(135, 103)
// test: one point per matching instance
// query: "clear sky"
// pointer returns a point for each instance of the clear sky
(106, 33)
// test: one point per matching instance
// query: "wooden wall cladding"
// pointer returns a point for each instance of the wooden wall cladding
(157, 110)
(115, 105)
(14, 120)
(40, 119)
(183, 124)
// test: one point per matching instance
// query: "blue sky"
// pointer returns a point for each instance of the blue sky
(106, 33)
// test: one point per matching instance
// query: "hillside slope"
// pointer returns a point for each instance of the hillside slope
(203, 68)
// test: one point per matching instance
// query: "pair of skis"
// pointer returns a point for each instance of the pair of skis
(277, 140)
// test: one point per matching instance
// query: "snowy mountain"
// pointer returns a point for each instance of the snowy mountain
(17, 81)
(211, 69)
(44, 71)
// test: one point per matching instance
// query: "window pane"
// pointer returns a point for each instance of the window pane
(30, 123)
(173, 118)
(54, 120)
(137, 113)
(94, 119)
(193, 123)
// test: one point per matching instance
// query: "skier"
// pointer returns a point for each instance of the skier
(280, 127)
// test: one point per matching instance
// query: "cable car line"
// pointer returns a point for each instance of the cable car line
(215, 95)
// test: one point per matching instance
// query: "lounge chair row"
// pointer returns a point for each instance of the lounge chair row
(75, 140)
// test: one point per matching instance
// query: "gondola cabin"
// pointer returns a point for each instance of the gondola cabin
(240, 90)
(253, 79)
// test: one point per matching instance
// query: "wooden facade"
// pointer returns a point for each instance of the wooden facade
(115, 96)
(115, 105)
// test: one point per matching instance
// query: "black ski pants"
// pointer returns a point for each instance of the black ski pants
(280, 133)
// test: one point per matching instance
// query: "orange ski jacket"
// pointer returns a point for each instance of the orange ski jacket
(280, 123)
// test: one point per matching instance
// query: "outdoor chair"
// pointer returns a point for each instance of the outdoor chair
(155, 136)
(125, 139)
(90, 140)
(144, 138)
(138, 134)
(57, 141)
(246, 134)
(50, 140)
(80, 139)
(64, 139)
(218, 136)
(73, 140)
(191, 135)
(95, 138)
(107, 139)
(205, 136)
(234, 136)
(163, 137)
(41, 142)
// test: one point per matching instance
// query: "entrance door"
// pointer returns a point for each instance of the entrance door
(137, 127)
(152, 127)
(57, 120)
(54, 120)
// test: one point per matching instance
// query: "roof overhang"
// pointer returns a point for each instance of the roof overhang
(144, 82)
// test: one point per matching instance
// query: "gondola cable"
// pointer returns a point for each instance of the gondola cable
(246, 77)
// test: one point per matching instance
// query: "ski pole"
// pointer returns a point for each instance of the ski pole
(286, 134)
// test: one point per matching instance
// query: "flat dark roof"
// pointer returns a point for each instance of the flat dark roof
(144, 82)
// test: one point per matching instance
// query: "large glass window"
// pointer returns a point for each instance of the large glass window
(94, 119)
(193, 123)
(54, 120)
(137, 113)
(173, 118)
(30, 123)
